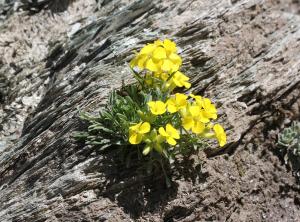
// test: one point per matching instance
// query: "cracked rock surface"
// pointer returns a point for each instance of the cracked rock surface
(244, 54)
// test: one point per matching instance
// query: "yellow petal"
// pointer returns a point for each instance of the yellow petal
(135, 127)
(198, 127)
(175, 67)
(172, 108)
(208, 105)
(202, 117)
(187, 123)
(222, 141)
(135, 138)
(195, 111)
(133, 63)
(159, 53)
(180, 100)
(167, 65)
(187, 85)
(158, 43)
(220, 134)
(151, 103)
(157, 107)
(151, 65)
(172, 131)
(162, 132)
(171, 103)
(180, 79)
(148, 49)
(171, 141)
(141, 61)
(198, 99)
(180, 96)
(144, 128)
(169, 45)
(218, 129)
(176, 59)
(161, 105)
(183, 77)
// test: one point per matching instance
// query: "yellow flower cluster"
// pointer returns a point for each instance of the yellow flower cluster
(158, 57)
(170, 117)
(195, 117)
(160, 61)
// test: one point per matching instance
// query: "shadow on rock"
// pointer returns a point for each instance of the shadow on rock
(55, 6)
(133, 189)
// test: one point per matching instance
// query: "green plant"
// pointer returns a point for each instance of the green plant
(289, 141)
(147, 119)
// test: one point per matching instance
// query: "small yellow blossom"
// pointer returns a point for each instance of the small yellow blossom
(170, 133)
(136, 132)
(210, 111)
(181, 80)
(220, 134)
(169, 46)
(157, 107)
(176, 103)
(192, 119)
(198, 99)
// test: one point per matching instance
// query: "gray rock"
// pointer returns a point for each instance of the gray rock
(243, 54)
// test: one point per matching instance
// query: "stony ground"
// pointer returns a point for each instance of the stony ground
(25, 41)
(242, 54)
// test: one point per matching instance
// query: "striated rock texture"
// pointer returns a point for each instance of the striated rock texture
(244, 54)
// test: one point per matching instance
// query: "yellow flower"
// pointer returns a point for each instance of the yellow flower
(150, 65)
(157, 107)
(198, 99)
(136, 132)
(210, 111)
(170, 133)
(176, 60)
(220, 134)
(176, 103)
(181, 80)
(169, 46)
(191, 119)
(138, 61)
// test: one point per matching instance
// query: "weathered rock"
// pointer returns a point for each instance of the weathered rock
(242, 54)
